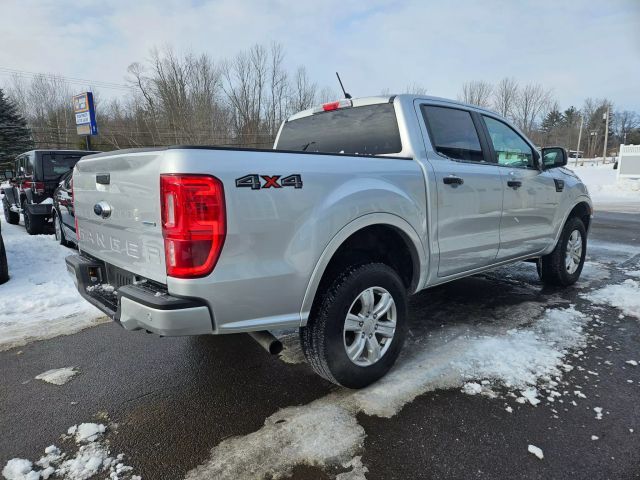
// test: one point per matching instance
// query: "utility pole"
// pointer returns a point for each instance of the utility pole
(579, 138)
(606, 136)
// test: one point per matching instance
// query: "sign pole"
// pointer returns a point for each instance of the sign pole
(87, 139)
(579, 138)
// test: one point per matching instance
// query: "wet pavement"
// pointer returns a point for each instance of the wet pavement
(171, 400)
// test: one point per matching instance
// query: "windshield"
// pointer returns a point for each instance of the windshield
(54, 165)
(368, 130)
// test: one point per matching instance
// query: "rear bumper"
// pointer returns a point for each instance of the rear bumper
(142, 306)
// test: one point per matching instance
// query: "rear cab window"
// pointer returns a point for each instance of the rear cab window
(365, 130)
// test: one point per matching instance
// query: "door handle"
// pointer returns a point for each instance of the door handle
(515, 184)
(452, 180)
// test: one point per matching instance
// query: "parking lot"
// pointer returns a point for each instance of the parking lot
(494, 363)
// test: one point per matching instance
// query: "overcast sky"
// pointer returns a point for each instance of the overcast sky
(578, 48)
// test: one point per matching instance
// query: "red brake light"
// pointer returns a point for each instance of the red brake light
(327, 107)
(194, 223)
(39, 187)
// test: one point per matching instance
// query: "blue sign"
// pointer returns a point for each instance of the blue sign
(85, 114)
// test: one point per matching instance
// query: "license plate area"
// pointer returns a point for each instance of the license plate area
(117, 277)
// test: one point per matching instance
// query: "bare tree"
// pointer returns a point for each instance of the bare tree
(625, 122)
(477, 93)
(505, 95)
(530, 104)
(303, 91)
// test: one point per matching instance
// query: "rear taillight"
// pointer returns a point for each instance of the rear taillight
(39, 187)
(194, 223)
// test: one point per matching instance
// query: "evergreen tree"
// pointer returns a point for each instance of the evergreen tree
(15, 135)
(551, 121)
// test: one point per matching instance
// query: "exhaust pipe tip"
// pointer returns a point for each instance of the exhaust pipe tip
(267, 341)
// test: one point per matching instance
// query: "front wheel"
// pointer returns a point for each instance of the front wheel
(563, 266)
(356, 330)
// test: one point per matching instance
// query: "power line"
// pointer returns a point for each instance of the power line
(73, 80)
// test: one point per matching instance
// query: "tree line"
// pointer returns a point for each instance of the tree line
(173, 98)
(533, 108)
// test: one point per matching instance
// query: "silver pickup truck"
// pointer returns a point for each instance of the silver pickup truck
(360, 203)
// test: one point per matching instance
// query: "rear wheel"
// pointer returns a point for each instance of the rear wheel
(563, 266)
(357, 329)
(34, 224)
(11, 217)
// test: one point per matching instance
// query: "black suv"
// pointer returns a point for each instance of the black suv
(36, 176)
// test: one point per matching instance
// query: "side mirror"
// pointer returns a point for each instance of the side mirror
(8, 175)
(554, 157)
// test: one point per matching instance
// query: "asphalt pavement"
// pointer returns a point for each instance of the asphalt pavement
(171, 400)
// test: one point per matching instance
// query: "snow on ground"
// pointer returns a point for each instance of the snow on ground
(625, 296)
(537, 451)
(605, 190)
(526, 359)
(40, 300)
(58, 376)
(92, 457)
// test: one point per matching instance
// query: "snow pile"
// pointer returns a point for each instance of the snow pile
(58, 376)
(357, 471)
(326, 431)
(86, 432)
(40, 300)
(604, 187)
(91, 458)
(516, 358)
(320, 433)
(625, 296)
(19, 469)
(536, 451)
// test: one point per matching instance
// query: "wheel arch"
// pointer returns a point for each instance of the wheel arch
(583, 209)
(386, 229)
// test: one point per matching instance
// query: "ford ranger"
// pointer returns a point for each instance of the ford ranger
(360, 203)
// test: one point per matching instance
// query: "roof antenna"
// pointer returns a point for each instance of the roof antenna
(346, 95)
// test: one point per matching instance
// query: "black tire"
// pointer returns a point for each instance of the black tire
(34, 224)
(58, 230)
(11, 217)
(4, 267)
(552, 268)
(322, 339)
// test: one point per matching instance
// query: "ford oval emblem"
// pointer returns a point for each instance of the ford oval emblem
(102, 209)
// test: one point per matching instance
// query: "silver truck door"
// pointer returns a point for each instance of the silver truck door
(469, 190)
(530, 196)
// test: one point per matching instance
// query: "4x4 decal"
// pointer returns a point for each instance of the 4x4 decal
(256, 182)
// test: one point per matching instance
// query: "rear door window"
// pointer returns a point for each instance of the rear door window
(453, 133)
(367, 130)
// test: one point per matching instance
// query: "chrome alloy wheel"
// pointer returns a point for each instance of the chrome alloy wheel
(573, 254)
(370, 326)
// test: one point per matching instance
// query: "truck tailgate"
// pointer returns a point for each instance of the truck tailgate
(130, 235)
